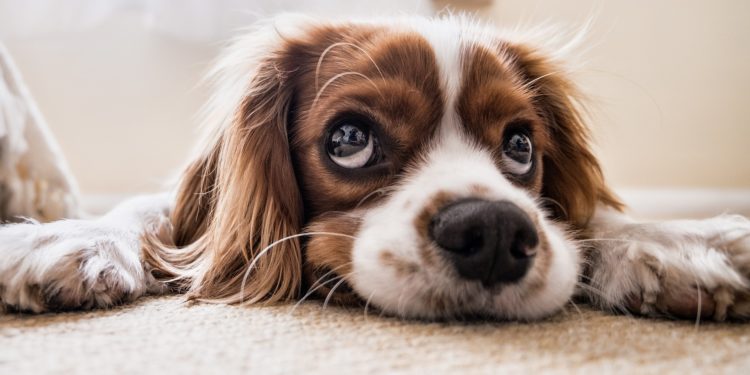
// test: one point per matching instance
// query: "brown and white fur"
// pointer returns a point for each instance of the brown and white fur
(263, 214)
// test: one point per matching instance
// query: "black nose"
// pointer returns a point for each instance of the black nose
(493, 242)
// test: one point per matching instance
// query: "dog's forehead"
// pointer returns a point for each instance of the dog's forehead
(464, 75)
(482, 85)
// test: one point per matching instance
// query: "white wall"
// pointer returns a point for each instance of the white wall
(670, 81)
(119, 99)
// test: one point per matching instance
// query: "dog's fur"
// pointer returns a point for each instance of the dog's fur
(263, 214)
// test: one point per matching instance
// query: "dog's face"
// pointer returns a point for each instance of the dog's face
(435, 166)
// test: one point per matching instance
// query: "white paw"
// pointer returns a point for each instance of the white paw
(71, 264)
(682, 269)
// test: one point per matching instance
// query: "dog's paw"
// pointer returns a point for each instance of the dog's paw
(684, 269)
(67, 265)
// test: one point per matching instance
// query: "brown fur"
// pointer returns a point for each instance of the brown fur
(573, 180)
(235, 201)
(492, 97)
(399, 95)
(5, 198)
(328, 258)
(403, 268)
(241, 195)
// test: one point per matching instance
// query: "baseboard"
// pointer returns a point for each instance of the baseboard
(685, 203)
(644, 203)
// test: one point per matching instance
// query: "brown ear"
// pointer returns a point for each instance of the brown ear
(573, 181)
(237, 199)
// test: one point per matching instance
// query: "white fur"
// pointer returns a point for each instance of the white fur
(95, 263)
(650, 260)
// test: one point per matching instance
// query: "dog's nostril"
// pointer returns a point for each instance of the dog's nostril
(525, 243)
(488, 241)
(458, 239)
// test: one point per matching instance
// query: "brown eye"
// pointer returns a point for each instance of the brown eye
(517, 153)
(352, 146)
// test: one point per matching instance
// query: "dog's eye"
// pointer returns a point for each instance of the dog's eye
(352, 146)
(517, 153)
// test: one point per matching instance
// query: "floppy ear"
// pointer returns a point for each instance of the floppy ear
(572, 179)
(240, 195)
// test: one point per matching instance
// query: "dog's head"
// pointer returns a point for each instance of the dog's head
(434, 165)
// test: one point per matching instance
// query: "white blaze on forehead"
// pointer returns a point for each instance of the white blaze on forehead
(446, 41)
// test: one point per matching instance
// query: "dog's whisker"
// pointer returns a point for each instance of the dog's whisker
(338, 44)
(592, 291)
(320, 62)
(399, 302)
(319, 283)
(367, 304)
(340, 75)
(623, 240)
(275, 243)
(556, 203)
(636, 84)
(590, 288)
(329, 272)
(330, 293)
(575, 306)
(322, 284)
(529, 85)
(383, 190)
(699, 298)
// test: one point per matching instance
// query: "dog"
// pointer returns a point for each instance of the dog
(429, 168)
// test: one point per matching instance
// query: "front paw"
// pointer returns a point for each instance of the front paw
(679, 269)
(67, 265)
(685, 289)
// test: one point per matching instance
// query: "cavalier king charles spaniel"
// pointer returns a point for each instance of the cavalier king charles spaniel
(429, 168)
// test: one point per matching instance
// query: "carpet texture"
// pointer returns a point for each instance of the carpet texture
(164, 335)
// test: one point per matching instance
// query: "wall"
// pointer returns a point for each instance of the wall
(669, 83)
(120, 100)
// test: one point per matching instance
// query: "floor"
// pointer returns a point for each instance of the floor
(164, 335)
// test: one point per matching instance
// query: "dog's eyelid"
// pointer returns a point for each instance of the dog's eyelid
(520, 124)
(352, 116)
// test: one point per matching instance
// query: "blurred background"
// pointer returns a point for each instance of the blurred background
(117, 80)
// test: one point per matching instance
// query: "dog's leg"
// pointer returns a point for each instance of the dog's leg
(681, 268)
(80, 264)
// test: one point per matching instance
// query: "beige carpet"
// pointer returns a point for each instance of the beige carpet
(162, 335)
